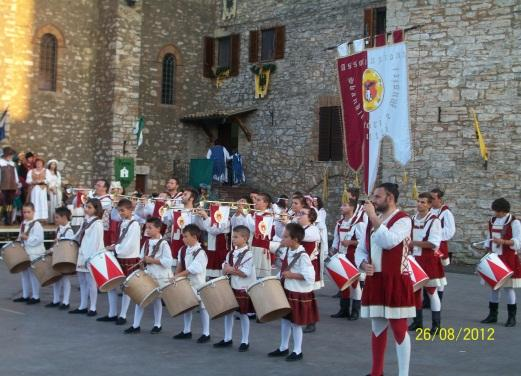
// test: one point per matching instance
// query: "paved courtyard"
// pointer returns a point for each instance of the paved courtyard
(35, 340)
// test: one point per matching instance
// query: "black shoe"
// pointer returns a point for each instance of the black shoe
(244, 347)
(223, 343)
(492, 314)
(355, 311)
(309, 328)
(294, 357)
(183, 335)
(344, 309)
(251, 317)
(91, 313)
(512, 310)
(277, 353)
(52, 305)
(436, 322)
(63, 307)
(155, 330)
(132, 330)
(32, 301)
(426, 300)
(203, 339)
(78, 311)
(107, 318)
(417, 322)
(121, 321)
(21, 300)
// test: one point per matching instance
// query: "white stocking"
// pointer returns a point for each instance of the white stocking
(93, 291)
(138, 315)
(495, 295)
(158, 312)
(187, 320)
(205, 321)
(26, 284)
(125, 303)
(511, 295)
(56, 289)
(66, 283)
(285, 331)
(403, 353)
(297, 338)
(113, 302)
(84, 290)
(35, 285)
(245, 329)
(435, 301)
(228, 327)
(355, 293)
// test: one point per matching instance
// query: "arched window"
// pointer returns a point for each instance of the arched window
(167, 79)
(48, 62)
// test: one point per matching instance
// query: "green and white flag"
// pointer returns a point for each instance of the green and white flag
(138, 130)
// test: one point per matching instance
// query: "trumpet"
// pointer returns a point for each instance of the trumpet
(81, 189)
(233, 204)
(163, 209)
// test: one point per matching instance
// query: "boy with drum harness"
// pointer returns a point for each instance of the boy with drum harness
(241, 270)
(157, 258)
(126, 250)
(31, 237)
(191, 263)
(505, 241)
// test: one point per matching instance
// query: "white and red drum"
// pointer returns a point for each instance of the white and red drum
(65, 256)
(418, 276)
(179, 296)
(44, 272)
(269, 299)
(105, 270)
(141, 288)
(494, 271)
(218, 297)
(15, 257)
(341, 271)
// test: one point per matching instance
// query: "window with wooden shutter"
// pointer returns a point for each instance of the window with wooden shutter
(254, 46)
(374, 23)
(330, 142)
(267, 45)
(280, 41)
(224, 52)
(48, 62)
(208, 57)
(235, 54)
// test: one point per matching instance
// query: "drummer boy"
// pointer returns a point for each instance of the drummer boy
(191, 263)
(239, 266)
(158, 261)
(298, 277)
(31, 236)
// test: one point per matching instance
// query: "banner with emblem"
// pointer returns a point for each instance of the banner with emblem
(263, 226)
(374, 91)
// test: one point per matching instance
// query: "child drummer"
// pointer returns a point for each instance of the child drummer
(298, 277)
(191, 263)
(157, 257)
(31, 236)
(127, 253)
(62, 217)
(90, 237)
(240, 267)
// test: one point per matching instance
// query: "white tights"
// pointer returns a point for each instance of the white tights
(113, 304)
(287, 328)
(245, 327)
(205, 321)
(30, 283)
(63, 284)
(88, 290)
(495, 295)
(158, 313)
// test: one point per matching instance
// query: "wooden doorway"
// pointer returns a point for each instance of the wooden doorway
(228, 133)
(141, 183)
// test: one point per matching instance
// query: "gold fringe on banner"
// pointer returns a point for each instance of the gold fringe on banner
(357, 180)
(414, 191)
(325, 185)
(405, 177)
(345, 195)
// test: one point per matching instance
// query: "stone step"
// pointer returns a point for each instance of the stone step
(231, 193)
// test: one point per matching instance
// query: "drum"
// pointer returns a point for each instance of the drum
(218, 297)
(44, 272)
(105, 270)
(341, 271)
(15, 257)
(179, 297)
(65, 256)
(141, 288)
(418, 276)
(269, 299)
(493, 270)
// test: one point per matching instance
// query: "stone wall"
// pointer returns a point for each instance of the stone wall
(467, 54)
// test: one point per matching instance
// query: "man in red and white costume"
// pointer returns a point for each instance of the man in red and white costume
(348, 231)
(101, 192)
(448, 228)
(172, 190)
(505, 232)
(388, 297)
(426, 238)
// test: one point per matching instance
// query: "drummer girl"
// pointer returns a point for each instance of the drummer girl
(505, 234)
(158, 261)
(90, 238)
(298, 277)
(239, 266)
(31, 236)
(62, 217)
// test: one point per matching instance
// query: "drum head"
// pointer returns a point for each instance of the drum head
(275, 315)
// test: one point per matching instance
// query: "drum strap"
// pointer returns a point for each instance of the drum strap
(60, 235)
(183, 256)
(124, 232)
(239, 258)
(156, 247)
(84, 228)
(285, 265)
(29, 228)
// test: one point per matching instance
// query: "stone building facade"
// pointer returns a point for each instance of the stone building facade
(110, 71)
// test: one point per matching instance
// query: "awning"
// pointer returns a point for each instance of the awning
(217, 117)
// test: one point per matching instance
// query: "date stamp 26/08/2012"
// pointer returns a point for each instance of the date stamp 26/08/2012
(455, 334)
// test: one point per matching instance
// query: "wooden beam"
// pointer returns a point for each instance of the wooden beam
(244, 128)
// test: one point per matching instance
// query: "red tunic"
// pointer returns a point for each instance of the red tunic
(217, 257)
(389, 293)
(311, 247)
(429, 260)
(509, 256)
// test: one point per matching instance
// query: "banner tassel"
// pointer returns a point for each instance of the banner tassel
(345, 195)
(325, 185)
(405, 177)
(414, 192)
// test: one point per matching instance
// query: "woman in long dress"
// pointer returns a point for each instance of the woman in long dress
(55, 188)
(220, 157)
(37, 180)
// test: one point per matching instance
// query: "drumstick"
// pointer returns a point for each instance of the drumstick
(482, 242)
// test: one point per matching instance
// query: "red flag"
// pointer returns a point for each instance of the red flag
(157, 205)
(176, 215)
(79, 199)
(398, 36)
(214, 208)
(380, 40)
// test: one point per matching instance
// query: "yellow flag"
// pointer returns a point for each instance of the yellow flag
(414, 192)
(345, 195)
(325, 185)
(481, 141)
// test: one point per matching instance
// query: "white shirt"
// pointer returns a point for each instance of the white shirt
(161, 273)
(196, 267)
(188, 218)
(91, 243)
(421, 226)
(129, 245)
(358, 230)
(65, 232)
(381, 239)
(449, 225)
(213, 231)
(34, 244)
(246, 266)
(304, 267)
(498, 224)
